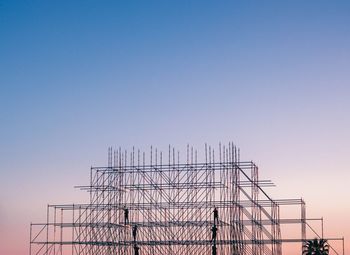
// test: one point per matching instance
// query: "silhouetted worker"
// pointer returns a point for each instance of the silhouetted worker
(134, 232)
(216, 216)
(214, 230)
(126, 215)
(213, 250)
(136, 250)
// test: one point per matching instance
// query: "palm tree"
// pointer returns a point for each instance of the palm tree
(316, 247)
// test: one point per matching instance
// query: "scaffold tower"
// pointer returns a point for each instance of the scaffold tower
(165, 206)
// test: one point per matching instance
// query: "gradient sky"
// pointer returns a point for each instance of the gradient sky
(79, 76)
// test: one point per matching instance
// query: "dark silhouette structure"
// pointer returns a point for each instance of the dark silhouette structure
(170, 207)
(316, 247)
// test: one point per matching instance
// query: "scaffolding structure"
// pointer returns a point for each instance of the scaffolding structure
(168, 207)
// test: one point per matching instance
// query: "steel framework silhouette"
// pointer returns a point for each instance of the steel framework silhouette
(168, 207)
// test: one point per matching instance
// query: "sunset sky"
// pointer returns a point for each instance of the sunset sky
(79, 76)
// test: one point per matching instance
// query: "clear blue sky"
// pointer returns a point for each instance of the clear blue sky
(79, 76)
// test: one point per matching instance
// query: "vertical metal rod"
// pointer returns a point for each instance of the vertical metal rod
(30, 239)
(61, 237)
(322, 227)
(47, 229)
(73, 227)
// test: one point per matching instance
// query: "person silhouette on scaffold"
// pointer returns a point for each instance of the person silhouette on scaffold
(213, 250)
(126, 215)
(214, 230)
(216, 216)
(136, 250)
(134, 232)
